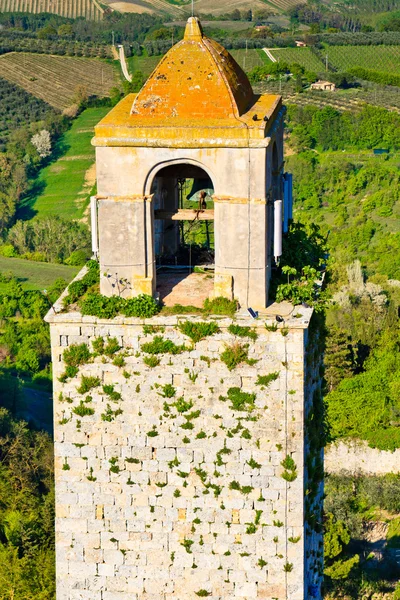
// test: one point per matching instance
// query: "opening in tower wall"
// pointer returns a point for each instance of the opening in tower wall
(183, 232)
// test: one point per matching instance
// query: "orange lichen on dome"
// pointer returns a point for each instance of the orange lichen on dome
(197, 78)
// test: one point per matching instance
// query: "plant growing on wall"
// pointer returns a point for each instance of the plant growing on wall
(198, 330)
(290, 472)
(234, 354)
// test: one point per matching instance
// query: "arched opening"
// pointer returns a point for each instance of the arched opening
(183, 233)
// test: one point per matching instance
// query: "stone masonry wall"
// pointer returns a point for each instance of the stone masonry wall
(168, 491)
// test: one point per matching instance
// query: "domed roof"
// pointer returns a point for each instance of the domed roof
(197, 78)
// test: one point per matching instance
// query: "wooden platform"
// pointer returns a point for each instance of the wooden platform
(185, 214)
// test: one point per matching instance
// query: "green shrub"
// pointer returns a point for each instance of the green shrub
(233, 355)
(82, 410)
(88, 383)
(182, 406)
(111, 347)
(69, 372)
(77, 288)
(266, 379)
(203, 593)
(161, 346)
(198, 331)
(98, 345)
(97, 305)
(290, 472)
(151, 361)
(109, 390)
(76, 354)
(243, 331)
(168, 391)
(241, 400)
(143, 306)
(220, 306)
(109, 415)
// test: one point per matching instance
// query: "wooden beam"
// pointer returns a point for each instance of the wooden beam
(185, 214)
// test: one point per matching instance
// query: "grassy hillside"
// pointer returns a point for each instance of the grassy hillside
(35, 275)
(63, 187)
(54, 78)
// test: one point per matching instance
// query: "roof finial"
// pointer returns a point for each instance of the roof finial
(193, 30)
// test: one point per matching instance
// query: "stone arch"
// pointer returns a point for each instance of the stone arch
(176, 161)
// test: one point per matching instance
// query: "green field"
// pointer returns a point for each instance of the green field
(145, 64)
(248, 59)
(35, 275)
(377, 58)
(301, 56)
(63, 187)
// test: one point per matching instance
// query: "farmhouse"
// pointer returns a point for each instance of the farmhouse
(324, 86)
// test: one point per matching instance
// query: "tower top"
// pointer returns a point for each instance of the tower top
(197, 78)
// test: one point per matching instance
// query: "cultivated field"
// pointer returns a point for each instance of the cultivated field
(378, 58)
(89, 9)
(248, 59)
(35, 275)
(93, 9)
(145, 64)
(63, 187)
(302, 56)
(55, 78)
(201, 6)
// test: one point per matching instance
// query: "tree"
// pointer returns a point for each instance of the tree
(42, 143)
(341, 569)
(339, 357)
(336, 536)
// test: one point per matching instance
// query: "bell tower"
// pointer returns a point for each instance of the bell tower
(188, 451)
(196, 117)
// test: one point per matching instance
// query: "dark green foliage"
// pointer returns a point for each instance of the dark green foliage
(234, 354)
(88, 383)
(241, 400)
(266, 379)
(159, 345)
(243, 331)
(143, 306)
(93, 303)
(366, 406)
(26, 512)
(198, 330)
(78, 288)
(253, 464)
(376, 76)
(111, 393)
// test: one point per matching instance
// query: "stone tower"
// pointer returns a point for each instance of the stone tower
(187, 459)
(196, 116)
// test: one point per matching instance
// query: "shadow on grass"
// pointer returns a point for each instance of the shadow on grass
(26, 209)
(26, 206)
